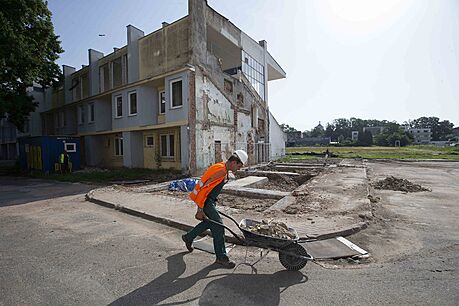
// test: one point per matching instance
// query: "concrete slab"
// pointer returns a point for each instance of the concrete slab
(353, 163)
(282, 203)
(246, 182)
(317, 164)
(333, 248)
(267, 173)
(290, 168)
(256, 193)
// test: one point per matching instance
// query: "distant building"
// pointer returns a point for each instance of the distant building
(313, 141)
(355, 135)
(456, 131)
(181, 97)
(300, 139)
(293, 137)
(374, 130)
(421, 136)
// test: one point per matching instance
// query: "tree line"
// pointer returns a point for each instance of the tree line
(340, 130)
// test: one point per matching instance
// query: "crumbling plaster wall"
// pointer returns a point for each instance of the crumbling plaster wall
(165, 50)
(214, 120)
(222, 114)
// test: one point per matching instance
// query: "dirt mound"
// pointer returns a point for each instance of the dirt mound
(398, 184)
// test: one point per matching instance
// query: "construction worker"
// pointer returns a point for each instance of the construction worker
(205, 196)
(64, 160)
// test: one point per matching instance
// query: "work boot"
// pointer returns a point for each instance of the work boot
(187, 244)
(225, 263)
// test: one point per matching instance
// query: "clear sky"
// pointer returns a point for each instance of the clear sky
(385, 59)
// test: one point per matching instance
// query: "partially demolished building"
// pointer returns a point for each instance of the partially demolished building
(182, 97)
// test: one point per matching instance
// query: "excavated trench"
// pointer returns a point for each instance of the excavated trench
(286, 181)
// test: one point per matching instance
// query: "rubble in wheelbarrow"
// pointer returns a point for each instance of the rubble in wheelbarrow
(273, 229)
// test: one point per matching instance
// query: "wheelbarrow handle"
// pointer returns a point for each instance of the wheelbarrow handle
(231, 218)
(221, 224)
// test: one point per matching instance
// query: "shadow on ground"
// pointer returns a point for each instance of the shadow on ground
(233, 288)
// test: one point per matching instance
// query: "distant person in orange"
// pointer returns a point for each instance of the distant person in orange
(205, 196)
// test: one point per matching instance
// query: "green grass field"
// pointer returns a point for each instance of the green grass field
(409, 152)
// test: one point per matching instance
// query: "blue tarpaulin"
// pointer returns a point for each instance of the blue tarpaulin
(185, 185)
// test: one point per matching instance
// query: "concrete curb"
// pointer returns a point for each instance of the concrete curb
(228, 238)
(165, 221)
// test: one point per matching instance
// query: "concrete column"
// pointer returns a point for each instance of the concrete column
(133, 35)
(264, 44)
(67, 71)
(197, 15)
(184, 148)
(94, 57)
(191, 131)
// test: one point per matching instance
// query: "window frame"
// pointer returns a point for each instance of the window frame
(146, 141)
(70, 150)
(91, 112)
(129, 103)
(171, 93)
(81, 115)
(63, 121)
(168, 146)
(160, 102)
(116, 106)
(118, 146)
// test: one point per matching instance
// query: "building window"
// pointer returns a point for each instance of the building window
(119, 146)
(149, 141)
(254, 72)
(125, 69)
(62, 115)
(119, 106)
(167, 146)
(76, 89)
(84, 85)
(81, 114)
(132, 96)
(104, 78)
(91, 112)
(56, 120)
(162, 102)
(70, 147)
(176, 94)
(117, 72)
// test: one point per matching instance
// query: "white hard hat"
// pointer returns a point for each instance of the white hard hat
(242, 155)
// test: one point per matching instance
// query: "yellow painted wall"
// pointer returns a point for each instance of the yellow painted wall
(109, 159)
(151, 154)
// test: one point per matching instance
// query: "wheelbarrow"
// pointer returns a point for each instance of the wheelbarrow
(292, 255)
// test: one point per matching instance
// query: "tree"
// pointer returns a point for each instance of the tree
(393, 134)
(286, 128)
(318, 131)
(28, 51)
(365, 139)
(440, 130)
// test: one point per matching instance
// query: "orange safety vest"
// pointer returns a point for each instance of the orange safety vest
(213, 176)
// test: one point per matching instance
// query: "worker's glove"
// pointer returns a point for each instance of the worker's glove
(200, 215)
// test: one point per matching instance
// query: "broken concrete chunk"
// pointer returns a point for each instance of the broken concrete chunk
(273, 229)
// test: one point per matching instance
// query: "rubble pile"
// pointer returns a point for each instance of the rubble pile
(273, 229)
(397, 184)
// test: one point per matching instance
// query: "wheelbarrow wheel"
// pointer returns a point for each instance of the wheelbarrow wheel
(292, 262)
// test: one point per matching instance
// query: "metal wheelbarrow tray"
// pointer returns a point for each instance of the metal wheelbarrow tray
(292, 255)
